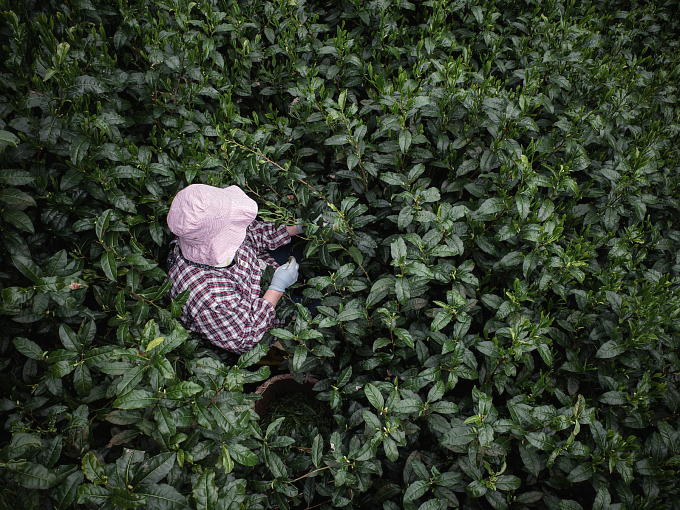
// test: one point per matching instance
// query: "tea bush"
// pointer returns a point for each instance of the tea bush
(491, 193)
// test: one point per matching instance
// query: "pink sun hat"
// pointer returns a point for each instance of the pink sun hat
(210, 223)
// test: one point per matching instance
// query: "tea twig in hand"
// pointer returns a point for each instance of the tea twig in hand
(263, 156)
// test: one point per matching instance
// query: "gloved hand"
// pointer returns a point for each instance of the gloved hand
(295, 230)
(285, 275)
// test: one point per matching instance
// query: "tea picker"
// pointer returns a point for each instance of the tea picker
(219, 254)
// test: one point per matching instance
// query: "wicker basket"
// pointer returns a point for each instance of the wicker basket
(280, 385)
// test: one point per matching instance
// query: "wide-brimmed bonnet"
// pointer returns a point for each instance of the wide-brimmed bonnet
(210, 223)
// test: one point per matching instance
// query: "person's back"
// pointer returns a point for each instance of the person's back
(219, 255)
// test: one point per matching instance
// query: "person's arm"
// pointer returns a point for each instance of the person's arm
(265, 236)
(272, 296)
(294, 230)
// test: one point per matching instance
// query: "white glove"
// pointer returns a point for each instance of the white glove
(285, 275)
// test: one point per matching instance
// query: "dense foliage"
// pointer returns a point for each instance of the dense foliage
(497, 257)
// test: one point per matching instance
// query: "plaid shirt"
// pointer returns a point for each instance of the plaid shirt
(224, 302)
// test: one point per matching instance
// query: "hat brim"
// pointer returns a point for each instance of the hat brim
(228, 213)
(216, 251)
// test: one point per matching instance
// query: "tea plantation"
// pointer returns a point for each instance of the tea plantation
(491, 199)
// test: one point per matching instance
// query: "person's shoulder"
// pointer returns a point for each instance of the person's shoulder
(247, 250)
(183, 269)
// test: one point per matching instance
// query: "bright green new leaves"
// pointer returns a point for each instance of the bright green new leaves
(456, 307)
(154, 343)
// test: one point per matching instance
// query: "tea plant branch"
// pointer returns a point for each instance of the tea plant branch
(311, 473)
(134, 294)
(358, 263)
(301, 449)
(139, 296)
(263, 156)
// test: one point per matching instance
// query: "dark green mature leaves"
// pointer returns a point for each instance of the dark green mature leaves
(205, 492)
(30, 475)
(374, 396)
(137, 399)
(490, 214)
(609, 350)
(28, 348)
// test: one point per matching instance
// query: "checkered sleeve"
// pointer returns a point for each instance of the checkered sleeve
(266, 236)
(236, 327)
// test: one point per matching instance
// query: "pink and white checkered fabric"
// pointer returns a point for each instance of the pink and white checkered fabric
(224, 303)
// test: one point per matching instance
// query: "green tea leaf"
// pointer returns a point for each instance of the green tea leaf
(79, 150)
(155, 469)
(391, 450)
(458, 435)
(404, 140)
(317, 450)
(299, 357)
(28, 348)
(226, 460)
(398, 249)
(162, 497)
(379, 290)
(336, 140)
(154, 343)
(253, 356)
(609, 349)
(136, 399)
(69, 338)
(27, 267)
(131, 379)
(184, 389)
(415, 491)
(16, 199)
(523, 206)
(92, 468)
(82, 379)
(65, 493)
(7, 138)
(615, 398)
(508, 483)
(490, 206)
(32, 476)
(205, 491)
(242, 455)
(374, 396)
(20, 220)
(109, 265)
